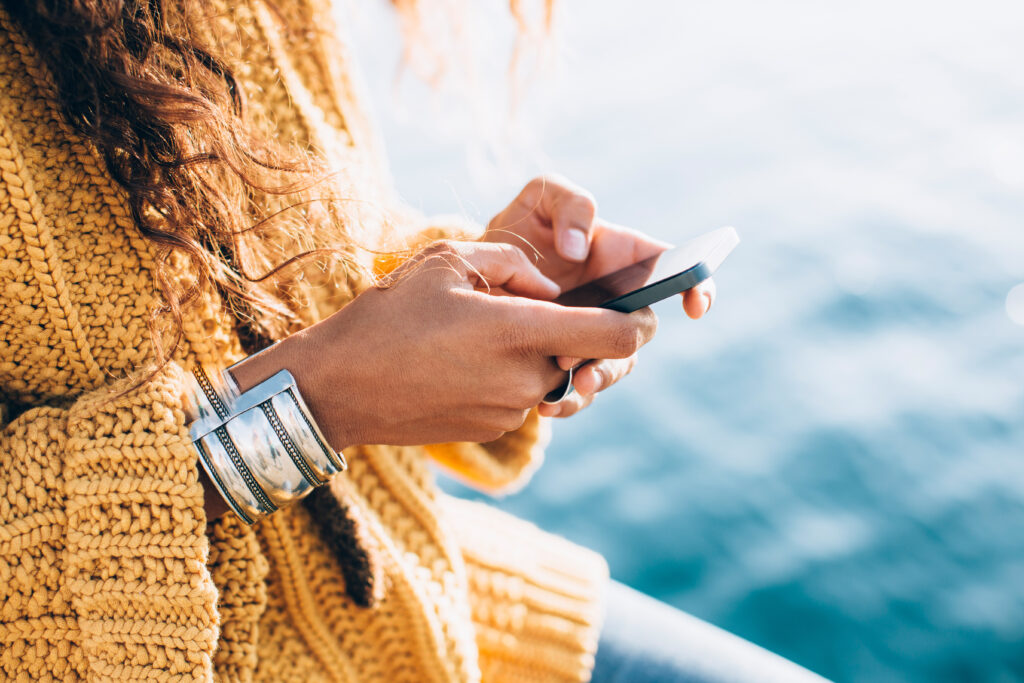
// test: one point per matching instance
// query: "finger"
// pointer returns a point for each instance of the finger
(697, 301)
(567, 362)
(597, 376)
(566, 407)
(586, 332)
(568, 207)
(548, 409)
(505, 266)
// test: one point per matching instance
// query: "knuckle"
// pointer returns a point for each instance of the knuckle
(571, 406)
(526, 395)
(513, 420)
(440, 247)
(547, 180)
(485, 428)
(651, 321)
(441, 252)
(625, 340)
(614, 371)
(534, 190)
(537, 182)
(512, 253)
(574, 194)
(646, 323)
(486, 435)
(583, 203)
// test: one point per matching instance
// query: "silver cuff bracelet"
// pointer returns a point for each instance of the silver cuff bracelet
(261, 447)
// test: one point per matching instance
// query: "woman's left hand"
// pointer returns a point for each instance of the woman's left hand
(556, 222)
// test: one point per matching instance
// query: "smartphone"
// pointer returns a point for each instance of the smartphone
(658, 277)
(646, 282)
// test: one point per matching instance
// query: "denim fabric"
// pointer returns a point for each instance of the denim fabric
(646, 641)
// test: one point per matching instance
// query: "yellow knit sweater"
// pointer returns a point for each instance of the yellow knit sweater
(108, 570)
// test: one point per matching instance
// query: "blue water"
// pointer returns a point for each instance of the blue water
(830, 464)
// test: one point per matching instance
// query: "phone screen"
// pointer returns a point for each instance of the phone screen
(681, 267)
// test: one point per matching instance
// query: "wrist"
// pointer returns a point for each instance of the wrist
(260, 447)
(213, 502)
(301, 356)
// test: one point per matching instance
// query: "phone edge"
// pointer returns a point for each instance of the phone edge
(663, 289)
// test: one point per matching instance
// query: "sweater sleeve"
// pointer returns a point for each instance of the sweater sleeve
(102, 540)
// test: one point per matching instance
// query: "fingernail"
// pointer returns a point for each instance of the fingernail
(574, 244)
(566, 363)
(707, 301)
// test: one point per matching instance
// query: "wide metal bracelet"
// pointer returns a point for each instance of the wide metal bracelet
(261, 447)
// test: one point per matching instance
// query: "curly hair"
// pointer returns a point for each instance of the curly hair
(169, 119)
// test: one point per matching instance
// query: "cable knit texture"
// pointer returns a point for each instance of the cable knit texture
(108, 570)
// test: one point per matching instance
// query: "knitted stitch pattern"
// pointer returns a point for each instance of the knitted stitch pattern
(108, 570)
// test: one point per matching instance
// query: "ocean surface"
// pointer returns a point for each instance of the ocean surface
(831, 464)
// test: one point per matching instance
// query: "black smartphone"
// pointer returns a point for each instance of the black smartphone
(658, 277)
(646, 282)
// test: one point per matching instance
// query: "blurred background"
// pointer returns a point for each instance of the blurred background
(830, 464)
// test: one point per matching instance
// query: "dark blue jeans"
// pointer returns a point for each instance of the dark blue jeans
(646, 641)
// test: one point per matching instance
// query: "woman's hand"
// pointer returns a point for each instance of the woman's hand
(558, 223)
(434, 358)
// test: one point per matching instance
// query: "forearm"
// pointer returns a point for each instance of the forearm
(303, 356)
(258, 437)
(433, 359)
(213, 502)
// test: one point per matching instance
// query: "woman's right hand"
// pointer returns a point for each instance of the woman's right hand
(434, 357)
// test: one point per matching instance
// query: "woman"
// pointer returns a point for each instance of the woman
(184, 185)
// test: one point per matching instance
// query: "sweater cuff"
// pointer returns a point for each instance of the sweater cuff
(136, 548)
(537, 600)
